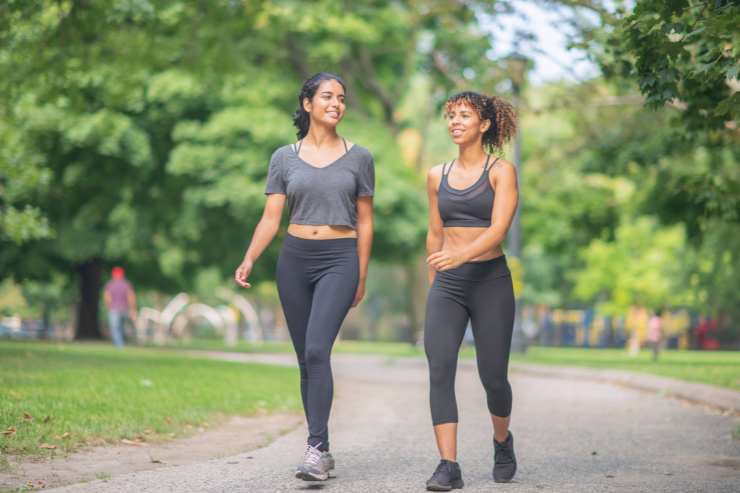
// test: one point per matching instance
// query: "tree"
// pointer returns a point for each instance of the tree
(147, 122)
(638, 268)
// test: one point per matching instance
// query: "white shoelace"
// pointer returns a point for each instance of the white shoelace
(313, 456)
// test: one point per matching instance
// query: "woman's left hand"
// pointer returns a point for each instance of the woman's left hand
(359, 294)
(444, 260)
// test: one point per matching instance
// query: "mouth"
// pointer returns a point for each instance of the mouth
(333, 114)
(456, 132)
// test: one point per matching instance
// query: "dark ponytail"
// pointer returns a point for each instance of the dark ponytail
(301, 118)
(499, 111)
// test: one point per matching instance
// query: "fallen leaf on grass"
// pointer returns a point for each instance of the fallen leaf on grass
(10, 431)
(46, 419)
(48, 446)
(27, 416)
(66, 434)
(130, 442)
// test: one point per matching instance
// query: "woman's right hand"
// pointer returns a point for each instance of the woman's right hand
(242, 273)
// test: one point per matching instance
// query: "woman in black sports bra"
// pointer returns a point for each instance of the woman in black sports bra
(472, 201)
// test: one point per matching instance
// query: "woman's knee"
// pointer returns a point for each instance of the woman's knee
(498, 393)
(442, 370)
(317, 355)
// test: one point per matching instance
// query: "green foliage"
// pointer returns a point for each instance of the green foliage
(638, 268)
(683, 51)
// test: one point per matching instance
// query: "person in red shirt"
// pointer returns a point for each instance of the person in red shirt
(120, 300)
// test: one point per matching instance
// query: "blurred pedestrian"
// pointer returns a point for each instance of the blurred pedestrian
(328, 184)
(655, 333)
(120, 299)
(472, 201)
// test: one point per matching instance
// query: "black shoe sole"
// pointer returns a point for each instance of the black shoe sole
(456, 485)
(505, 480)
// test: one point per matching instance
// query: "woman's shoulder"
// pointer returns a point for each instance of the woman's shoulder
(502, 164)
(361, 151)
(281, 154)
(283, 150)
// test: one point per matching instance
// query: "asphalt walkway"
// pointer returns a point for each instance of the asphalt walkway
(577, 432)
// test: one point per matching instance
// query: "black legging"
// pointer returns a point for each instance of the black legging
(317, 281)
(482, 293)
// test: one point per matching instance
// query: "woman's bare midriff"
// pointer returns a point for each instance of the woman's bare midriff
(456, 238)
(321, 232)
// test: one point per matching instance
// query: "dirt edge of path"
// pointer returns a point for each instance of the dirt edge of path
(238, 434)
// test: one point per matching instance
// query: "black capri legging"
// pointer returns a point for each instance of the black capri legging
(481, 292)
(317, 281)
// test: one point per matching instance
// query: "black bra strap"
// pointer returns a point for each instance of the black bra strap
(448, 168)
(485, 166)
(494, 162)
(297, 147)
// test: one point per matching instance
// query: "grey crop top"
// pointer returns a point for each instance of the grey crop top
(470, 207)
(326, 195)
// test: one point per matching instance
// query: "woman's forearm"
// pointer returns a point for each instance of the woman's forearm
(364, 245)
(263, 234)
(435, 242)
(485, 242)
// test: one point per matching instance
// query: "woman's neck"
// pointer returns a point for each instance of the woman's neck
(471, 155)
(319, 135)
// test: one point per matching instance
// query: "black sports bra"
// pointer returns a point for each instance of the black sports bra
(470, 207)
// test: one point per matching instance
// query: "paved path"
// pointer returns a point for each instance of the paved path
(571, 436)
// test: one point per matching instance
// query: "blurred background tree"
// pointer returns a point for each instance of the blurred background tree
(138, 132)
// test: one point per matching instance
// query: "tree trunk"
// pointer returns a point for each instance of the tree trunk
(88, 326)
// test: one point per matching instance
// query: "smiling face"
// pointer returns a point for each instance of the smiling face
(464, 123)
(327, 105)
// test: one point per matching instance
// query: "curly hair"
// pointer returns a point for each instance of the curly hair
(301, 118)
(499, 111)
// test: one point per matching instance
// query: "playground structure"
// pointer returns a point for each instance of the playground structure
(177, 319)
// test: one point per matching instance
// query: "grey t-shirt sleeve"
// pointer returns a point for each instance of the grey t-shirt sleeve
(366, 177)
(275, 174)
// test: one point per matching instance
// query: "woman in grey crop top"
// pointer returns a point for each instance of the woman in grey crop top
(328, 184)
(472, 200)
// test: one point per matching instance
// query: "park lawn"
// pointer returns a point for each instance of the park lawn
(721, 368)
(341, 346)
(72, 394)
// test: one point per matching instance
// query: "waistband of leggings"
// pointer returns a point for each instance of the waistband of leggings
(331, 245)
(484, 269)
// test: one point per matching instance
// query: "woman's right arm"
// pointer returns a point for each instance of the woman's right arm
(435, 233)
(265, 231)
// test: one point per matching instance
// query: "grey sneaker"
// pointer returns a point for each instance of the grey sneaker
(504, 466)
(316, 465)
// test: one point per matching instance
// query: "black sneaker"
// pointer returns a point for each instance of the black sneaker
(446, 477)
(504, 465)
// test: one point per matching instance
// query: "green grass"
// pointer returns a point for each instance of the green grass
(720, 368)
(74, 394)
(400, 349)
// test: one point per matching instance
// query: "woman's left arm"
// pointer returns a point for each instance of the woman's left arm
(364, 241)
(504, 206)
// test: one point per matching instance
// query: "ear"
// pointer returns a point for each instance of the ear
(307, 106)
(484, 126)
